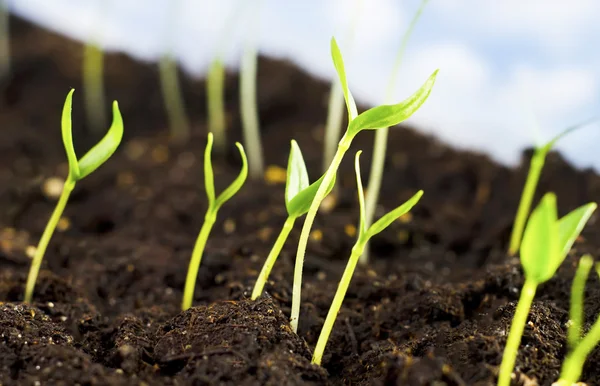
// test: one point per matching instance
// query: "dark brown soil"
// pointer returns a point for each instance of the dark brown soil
(433, 308)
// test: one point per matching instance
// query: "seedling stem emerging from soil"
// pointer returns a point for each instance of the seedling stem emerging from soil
(372, 119)
(93, 79)
(216, 103)
(535, 170)
(4, 41)
(546, 242)
(78, 169)
(381, 135)
(173, 99)
(364, 235)
(214, 204)
(298, 196)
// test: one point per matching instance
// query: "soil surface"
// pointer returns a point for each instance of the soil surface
(432, 308)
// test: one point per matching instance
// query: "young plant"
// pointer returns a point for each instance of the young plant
(579, 347)
(372, 119)
(248, 104)
(364, 234)
(4, 41)
(214, 204)
(215, 103)
(173, 98)
(93, 79)
(546, 242)
(335, 111)
(298, 196)
(78, 169)
(535, 170)
(381, 135)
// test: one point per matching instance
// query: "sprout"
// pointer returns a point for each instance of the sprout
(546, 242)
(4, 41)
(214, 204)
(173, 98)
(535, 170)
(579, 348)
(364, 235)
(78, 169)
(298, 196)
(381, 135)
(216, 103)
(248, 104)
(93, 74)
(372, 119)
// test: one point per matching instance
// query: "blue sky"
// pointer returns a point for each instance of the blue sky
(504, 64)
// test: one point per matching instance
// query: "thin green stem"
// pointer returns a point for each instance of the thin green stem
(93, 86)
(573, 363)
(338, 299)
(173, 99)
(577, 294)
(343, 147)
(4, 40)
(36, 263)
(381, 135)
(216, 104)
(272, 258)
(249, 107)
(516, 332)
(333, 126)
(196, 259)
(535, 170)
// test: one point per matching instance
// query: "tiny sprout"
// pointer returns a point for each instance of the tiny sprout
(298, 196)
(546, 243)
(364, 235)
(535, 170)
(372, 119)
(173, 99)
(579, 347)
(78, 169)
(214, 204)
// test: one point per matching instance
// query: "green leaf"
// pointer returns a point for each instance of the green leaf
(67, 136)
(570, 226)
(539, 254)
(338, 63)
(104, 149)
(236, 185)
(387, 219)
(361, 197)
(300, 204)
(390, 115)
(546, 148)
(297, 175)
(209, 179)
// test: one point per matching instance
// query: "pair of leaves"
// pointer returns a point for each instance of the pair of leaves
(97, 155)
(364, 233)
(547, 239)
(379, 116)
(214, 203)
(299, 193)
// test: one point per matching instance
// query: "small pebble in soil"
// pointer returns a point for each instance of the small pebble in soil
(135, 149)
(328, 204)
(63, 224)
(30, 251)
(350, 230)
(265, 233)
(160, 154)
(229, 226)
(405, 218)
(53, 187)
(125, 179)
(316, 235)
(275, 175)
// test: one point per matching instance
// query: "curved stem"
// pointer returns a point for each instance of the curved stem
(343, 146)
(577, 297)
(46, 236)
(336, 304)
(273, 255)
(192, 274)
(516, 332)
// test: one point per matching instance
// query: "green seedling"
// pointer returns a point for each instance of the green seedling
(214, 204)
(364, 234)
(372, 119)
(298, 196)
(335, 111)
(215, 103)
(93, 79)
(4, 41)
(78, 169)
(579, 347)
(535, 170)
(173, 98)
(546, 242)
(381, 135)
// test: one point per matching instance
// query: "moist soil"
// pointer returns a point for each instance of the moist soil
(432, 308)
